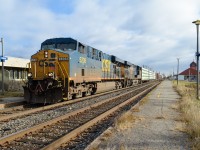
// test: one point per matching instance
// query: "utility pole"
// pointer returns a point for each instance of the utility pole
(177, 70)
(189, 75)
(197, 23)
(2, 69)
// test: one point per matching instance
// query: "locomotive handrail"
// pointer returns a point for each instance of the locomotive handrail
(23, 79)
(65, 71)
(62, 72)
(44, 68)
(35, 69)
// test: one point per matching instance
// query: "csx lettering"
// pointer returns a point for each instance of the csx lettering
(82, 60)
(42, 63)
(105, 65)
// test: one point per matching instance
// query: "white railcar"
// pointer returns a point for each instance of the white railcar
(148, 74)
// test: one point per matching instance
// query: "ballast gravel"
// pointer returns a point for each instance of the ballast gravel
(16, 125)
(157, 126)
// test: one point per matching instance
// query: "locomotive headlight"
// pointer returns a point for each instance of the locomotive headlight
(50, 74)
(29, 74)
(45, 54)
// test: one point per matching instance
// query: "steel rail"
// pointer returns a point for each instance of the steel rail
(68, 137)
(11, 109)
(35, 110)
(14, 136)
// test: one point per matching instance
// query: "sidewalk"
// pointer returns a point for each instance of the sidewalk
(157, 125)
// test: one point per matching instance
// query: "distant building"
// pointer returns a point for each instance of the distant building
(15, 72)
(189, 74)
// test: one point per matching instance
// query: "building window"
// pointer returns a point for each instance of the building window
(11, 74)
(15, 74)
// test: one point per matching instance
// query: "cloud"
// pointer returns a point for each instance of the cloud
(145, 32)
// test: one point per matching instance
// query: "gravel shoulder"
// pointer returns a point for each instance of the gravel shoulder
(157, 125)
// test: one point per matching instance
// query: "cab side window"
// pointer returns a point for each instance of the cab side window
(100, 56)
(93, 53)
(81, 48)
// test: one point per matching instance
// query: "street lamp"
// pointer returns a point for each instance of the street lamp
(2, 68)
(197, 23)
(177, 69)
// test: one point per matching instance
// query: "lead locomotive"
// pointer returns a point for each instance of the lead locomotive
(65, 69)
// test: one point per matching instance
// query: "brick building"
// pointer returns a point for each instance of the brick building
(189, 74)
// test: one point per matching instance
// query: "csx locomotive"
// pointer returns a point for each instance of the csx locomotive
(64, 68)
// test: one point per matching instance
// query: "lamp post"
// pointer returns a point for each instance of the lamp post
(2, 69)
(177, 69)
(197, 23)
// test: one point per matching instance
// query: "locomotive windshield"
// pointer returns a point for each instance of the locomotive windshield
(67, 46)
(64, 44)
(64, 47)
(51, 46)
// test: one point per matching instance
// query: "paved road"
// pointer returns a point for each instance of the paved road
(157, 126)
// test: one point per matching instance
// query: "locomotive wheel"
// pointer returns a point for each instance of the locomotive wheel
(73, 96)
(83, 94)
(88, 92)
(93, 91)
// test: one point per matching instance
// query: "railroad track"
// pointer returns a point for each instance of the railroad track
(17, 109)
(15, 122)
(79, 123)
(18, 121)
(22, 110)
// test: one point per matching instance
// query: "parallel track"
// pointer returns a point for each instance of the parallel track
(43, 134)
(26, 119)
(18, 111)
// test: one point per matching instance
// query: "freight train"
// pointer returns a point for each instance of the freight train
(65, 68)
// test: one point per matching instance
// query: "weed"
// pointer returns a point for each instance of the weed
(190, 107)
(125, 121)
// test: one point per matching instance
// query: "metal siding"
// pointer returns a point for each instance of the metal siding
(148, 74)
(92, 68)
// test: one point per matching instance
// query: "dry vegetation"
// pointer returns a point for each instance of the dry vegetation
(190, 107)
(11, 94)
(125, 121)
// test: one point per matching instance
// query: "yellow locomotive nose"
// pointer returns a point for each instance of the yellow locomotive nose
(49, 64)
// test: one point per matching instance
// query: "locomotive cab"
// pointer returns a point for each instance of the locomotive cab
(62, 70)
(48, 77)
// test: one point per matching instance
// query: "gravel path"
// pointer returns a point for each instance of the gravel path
(157, 125)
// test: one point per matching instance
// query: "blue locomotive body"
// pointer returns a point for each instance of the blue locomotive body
(74, 69)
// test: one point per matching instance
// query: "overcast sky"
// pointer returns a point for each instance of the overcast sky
(145, 32)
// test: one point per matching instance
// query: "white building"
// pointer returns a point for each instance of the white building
(15, 72)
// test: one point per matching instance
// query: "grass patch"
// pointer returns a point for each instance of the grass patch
(106, 135)
(125, 121)
(190, 107)
(160, 117)
(11, 94)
